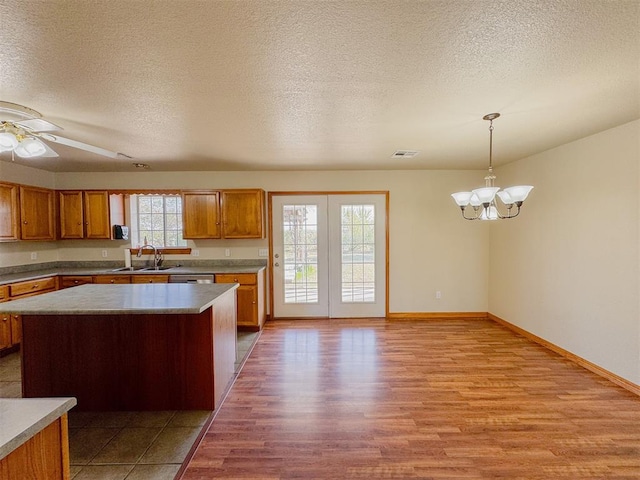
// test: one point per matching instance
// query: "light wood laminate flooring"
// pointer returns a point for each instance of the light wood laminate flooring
(454, 399)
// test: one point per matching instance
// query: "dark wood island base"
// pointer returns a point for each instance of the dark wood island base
(132, 361)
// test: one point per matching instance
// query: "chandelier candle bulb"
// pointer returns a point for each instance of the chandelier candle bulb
(483, 200)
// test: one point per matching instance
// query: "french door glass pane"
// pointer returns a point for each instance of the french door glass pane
(358, 253)
(300, 246)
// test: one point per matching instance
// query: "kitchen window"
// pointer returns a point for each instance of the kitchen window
(158, 219)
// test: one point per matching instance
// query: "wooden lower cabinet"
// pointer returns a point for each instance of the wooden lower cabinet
(10, 330)
(10, 323)
(16, 329)
(118, 279)
(43, 456)
(32, 287)
(67, 281)
(251, 295)
(5, 331)
(149, 278)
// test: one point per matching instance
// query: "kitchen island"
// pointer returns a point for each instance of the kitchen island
(130, 347)
(34, 438)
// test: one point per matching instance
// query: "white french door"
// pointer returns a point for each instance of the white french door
(329, 255)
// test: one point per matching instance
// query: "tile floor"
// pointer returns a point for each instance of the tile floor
(126, 445)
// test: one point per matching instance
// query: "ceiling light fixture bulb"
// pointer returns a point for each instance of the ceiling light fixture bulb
(30, 147)
(8, 141)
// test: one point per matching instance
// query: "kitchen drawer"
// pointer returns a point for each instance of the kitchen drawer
(149, 278)
(67, 281)
(32, 287)
(4, 293)
(241, 278)
(112, 279)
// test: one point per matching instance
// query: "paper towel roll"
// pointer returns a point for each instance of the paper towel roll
(127, 258)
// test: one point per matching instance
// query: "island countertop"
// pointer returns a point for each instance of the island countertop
(155, 298)
(22, 418)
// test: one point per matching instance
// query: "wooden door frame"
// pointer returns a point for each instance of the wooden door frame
(270, 196)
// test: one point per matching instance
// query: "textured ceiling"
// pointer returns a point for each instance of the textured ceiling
(257, 84)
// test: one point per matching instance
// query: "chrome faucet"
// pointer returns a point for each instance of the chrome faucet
(157, 256)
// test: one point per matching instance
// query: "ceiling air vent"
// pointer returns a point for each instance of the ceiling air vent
(404, 154)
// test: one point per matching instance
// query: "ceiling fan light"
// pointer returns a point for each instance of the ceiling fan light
(8, 141)
(486, 194)
(462, 198)
(30, 147)
(518, 193)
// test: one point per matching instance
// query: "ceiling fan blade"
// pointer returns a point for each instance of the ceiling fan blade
(38, 125)
(49, 152)
(83, 146)
(18, 110)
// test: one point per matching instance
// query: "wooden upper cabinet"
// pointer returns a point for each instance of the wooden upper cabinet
(223, 214)
(242, 213)
(36, 213)
(9, 215)
(201, 214)
(71, 215)
(84, 214)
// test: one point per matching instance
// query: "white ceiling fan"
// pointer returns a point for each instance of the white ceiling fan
(25, 133)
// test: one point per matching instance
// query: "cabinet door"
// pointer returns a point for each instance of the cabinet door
(36, 214)
(5, 330)
(242, 213)
(16, 329)
(201, 214)
(9, 219)
(247, 309)
(96, 214)
(71, 215)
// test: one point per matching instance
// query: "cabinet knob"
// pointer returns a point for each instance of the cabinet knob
(79, 223)
(76, 282)
(25, 222)
(235, 280)
(113, 281)
(4, 319)
(35, 286)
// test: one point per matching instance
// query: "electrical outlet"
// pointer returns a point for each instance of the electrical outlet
(438, 294)
(34, 255)
(195, 253)
(263, 252)
(104, 254)
(227, 252)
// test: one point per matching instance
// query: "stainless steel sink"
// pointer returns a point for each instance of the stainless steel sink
(155, 269)
(127, 269)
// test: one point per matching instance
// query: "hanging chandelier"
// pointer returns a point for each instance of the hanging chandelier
(482, 201)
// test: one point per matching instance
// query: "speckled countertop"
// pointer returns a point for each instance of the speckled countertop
(115, 270)
(145, 298)
(22, 418)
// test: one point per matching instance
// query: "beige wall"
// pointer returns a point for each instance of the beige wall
(567, 268)
(431, 247)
